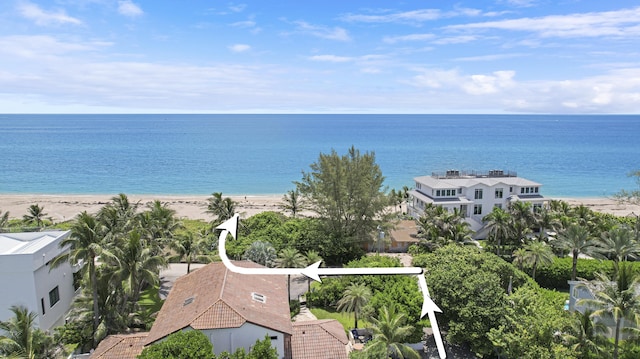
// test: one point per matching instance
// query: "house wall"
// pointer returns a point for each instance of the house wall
(230, 339)
(27, 279)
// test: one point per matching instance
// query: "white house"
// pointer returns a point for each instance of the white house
(474, 194)
(27, 279)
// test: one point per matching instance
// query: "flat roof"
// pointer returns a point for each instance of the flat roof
(466, 182)
(27, 242)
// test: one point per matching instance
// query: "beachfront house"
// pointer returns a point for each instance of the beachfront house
(27, 279)
(400, 237)
(473, 193)
(233, 310)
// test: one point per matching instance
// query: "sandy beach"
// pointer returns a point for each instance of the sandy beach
(61, 208)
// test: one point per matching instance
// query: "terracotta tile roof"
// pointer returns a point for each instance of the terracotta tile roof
(213, 297)
(319, 339)
(120, 346)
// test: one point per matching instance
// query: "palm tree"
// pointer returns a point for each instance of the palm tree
(223, 208)
(136, 265)
(119, 217)
(293, 202)
(546, 220)
(618, 244)
(290, 258)
(390, 332)
(537, 253)
(4, 220)
(498, 224)
(586, 335)
(519, 256)
(20, 338)
(86, 244)
(262, 253)
(615, 298)
(190, 249)
(354, 298)
(35, 214)
(577, 240)
(522, 218)
(160, 221)
(312, 257)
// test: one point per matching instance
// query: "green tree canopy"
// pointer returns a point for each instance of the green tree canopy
(347, 194)
(180, 345)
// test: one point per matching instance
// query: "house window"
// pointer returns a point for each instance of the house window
(536, 188)
(437, 193)
(478, 193)
(477, 209)
(42, 305)
(498, 192)
(522, 190)
(459, 190)
(54, 296)
(498, 205)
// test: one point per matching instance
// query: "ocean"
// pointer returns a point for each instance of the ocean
(571, 156)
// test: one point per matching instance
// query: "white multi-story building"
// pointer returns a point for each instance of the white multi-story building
(27, 279)
(474, 194)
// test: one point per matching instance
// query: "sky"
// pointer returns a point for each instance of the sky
(308, 56)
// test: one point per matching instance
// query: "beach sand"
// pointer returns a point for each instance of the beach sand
(61, 208)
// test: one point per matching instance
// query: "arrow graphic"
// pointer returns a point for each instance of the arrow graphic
(314, 272)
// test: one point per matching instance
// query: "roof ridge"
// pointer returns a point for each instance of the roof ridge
(224, 281)
(120, 339)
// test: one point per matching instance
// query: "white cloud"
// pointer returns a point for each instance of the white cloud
(238, 8)
(41, 17)
(129, 8)
(44, 47)
(405, 38)
(324, 32)
(489, 84)
(455, 39)
(619, 23)
(244, 24)
(406, 16)
(331, 58)
(493, 57)
(239, 48)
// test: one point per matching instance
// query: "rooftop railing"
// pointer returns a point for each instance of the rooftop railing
(474, 174)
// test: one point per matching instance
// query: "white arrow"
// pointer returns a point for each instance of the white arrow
(314, 272)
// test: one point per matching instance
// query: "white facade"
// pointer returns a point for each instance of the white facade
(27, 279)
(230, 339)
(474, 194)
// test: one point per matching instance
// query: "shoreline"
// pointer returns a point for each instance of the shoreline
(64, 207)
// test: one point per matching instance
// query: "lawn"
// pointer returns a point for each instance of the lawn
(346, 319)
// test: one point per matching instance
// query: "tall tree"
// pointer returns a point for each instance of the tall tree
(537, 253)
(498, 225)
(86, 244)
(347, 194)
(312, 257)
(293, 202)
(391, 332)
(158, 222)
(4, 220)
(586, 336)
(577, 240)
(223, 208)
(35, 214)
(20, 338)
(290, 258)
(136, 265)
(354, 298)
(189, 248)
(618, 244)
(615, 298)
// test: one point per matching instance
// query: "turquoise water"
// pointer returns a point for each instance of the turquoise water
(572, 156)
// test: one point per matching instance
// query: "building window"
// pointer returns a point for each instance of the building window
(54, 296)
(478, 193)
(437, 193)
(522, 190)
(498, 192)
(498, 205)
(536, 188)
(42, 305)
(459, 190)
(477, 209)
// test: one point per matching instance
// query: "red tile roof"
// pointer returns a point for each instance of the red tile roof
(120, 346)
(319, 339)
(213, 297)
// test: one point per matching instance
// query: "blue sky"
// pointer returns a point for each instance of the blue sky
(307, 56)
